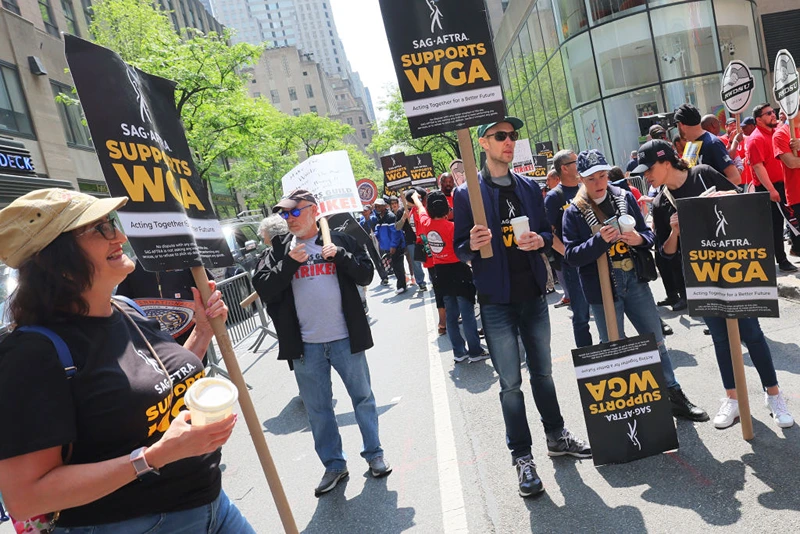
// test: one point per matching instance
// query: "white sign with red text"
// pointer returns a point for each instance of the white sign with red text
(330, 177)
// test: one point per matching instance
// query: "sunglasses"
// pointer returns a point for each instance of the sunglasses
(770, 112)
(502, 136)
(293, 212)
(108, 229)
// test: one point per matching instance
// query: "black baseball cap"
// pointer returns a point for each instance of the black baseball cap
(657, 131)
(291, 200)
(748, 121)
(688, 115)
(652, 152)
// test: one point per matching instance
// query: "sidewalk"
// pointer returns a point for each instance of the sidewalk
(789, 283)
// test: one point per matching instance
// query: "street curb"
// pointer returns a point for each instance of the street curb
(789, 288)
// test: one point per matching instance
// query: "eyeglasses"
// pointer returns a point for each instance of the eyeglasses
(293, 212)
(501, 136)
(570, 162)
(108, 229)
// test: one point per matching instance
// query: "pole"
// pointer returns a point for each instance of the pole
(608, 298)
(741, 382)
(473, 187)
(248, 410)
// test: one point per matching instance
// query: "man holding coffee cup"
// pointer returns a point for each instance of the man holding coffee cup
(312, 295)
(511, 292)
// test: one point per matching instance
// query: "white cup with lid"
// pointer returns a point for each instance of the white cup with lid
(210, 400)
(626, 223)
(520, 225)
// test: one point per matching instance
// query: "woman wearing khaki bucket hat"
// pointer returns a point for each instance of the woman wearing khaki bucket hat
(78, 436)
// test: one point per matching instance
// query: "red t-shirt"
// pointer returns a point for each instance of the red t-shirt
(759, 150)
(780, 142)
(725, 139)
(419, 229)
(439, 233)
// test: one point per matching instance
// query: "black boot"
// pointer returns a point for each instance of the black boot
(683, 407)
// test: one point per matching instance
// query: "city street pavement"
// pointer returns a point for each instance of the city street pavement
(436, 415)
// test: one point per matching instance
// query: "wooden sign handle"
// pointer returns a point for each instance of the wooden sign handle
(325, 229)
(248, 410)
(473, 186)
(738, 375)
(608, 298)
(792, 126)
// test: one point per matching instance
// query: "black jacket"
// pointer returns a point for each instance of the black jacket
(273, 282)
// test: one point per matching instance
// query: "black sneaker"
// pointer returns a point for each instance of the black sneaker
(529, 481)
(422, 286)
(669, 301)
(787, 267)
(379, 467)
(680, 305)
(329, 480)
(385, 282)
(665, 328)
(683, 407)
(568, 444)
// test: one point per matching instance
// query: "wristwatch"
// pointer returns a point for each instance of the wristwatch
(143, 470)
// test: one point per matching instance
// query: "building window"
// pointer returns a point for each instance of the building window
(624, 53)
(360, 120)
(256, 95)
(292, 93)
(11, 5)
(72, 119)
(363, 133)
(48, 18)
(69, 15)
(685, 40)
(275, 96)
(296, 112)
(571, 17)
(314, 109)
(14, 115)
(350, 121)
(309, 91)
(605, 10)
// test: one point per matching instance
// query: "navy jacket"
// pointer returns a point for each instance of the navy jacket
(582, 247)
(491, 276)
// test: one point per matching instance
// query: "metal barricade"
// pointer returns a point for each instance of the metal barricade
(639, 183)
(242, 323)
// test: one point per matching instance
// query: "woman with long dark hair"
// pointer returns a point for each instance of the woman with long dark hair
(79, 437)
(594, 229)
(663, 169)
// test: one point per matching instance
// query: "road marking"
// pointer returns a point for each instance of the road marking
(454, 514)
(395, 400)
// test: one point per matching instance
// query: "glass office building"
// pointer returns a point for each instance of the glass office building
(580, 72)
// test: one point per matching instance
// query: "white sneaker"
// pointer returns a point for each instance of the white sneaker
(399, 291)
(780, 413)
(728, 413)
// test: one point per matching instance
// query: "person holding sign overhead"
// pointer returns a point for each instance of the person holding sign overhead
(662, 167)
(312, 295)
(106, 440)
(625, 239)
(511, 289)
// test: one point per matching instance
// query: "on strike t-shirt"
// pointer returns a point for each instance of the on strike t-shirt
(439, 233)
(117, 402)
(318, 297)
(780, 143)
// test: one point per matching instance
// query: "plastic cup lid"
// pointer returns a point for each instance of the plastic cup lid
(211, 394)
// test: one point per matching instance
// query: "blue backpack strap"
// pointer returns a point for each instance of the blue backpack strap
(131, 303)
(64, 355)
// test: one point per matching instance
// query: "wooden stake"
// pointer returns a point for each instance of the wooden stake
(741, 382)
(473, 187)
(608, 298)
(248, 410)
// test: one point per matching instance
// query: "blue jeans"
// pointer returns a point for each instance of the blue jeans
(635, 301)
(419, 272)
(579, 305)
(313, 375)
(219, 517)
(502, 323)
(455, 306)
(753, 338)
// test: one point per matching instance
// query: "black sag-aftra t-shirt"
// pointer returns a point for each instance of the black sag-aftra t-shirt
(698, 179)
(116, 402)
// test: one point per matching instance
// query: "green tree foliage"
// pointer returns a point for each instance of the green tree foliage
(394, 135)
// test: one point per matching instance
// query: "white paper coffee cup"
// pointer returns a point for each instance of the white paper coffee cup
(210, 400)
(627, 223)
(520, 225)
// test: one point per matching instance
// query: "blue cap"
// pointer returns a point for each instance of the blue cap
(748, 121)
(592, 161)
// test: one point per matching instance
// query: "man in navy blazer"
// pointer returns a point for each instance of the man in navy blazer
(511, 293)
